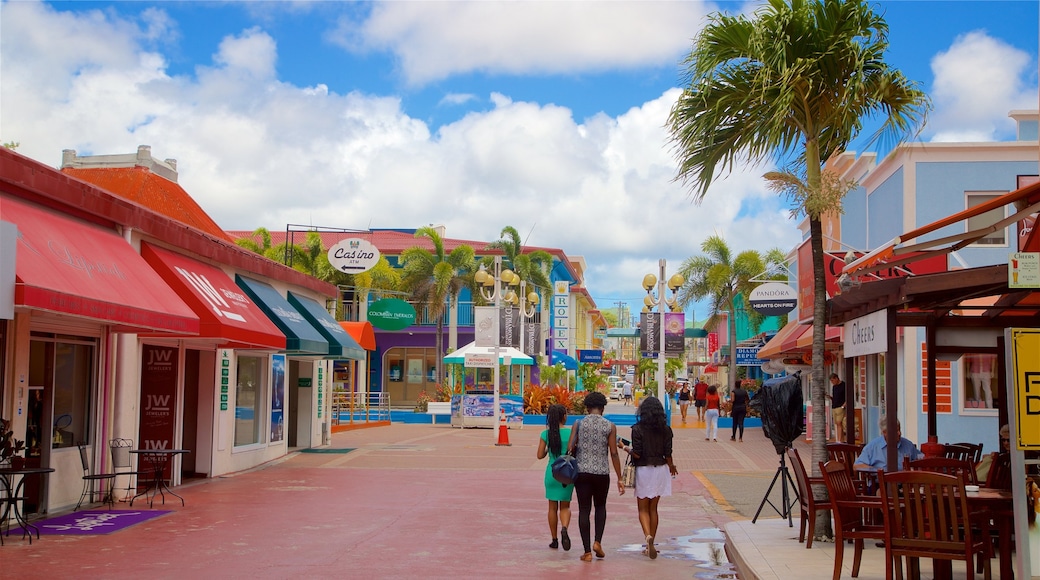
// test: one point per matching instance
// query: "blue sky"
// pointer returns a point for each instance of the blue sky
(544, 116)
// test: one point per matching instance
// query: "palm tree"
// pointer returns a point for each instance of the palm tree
(530, 266)
(720, 277)
(434, 277)
(792, 83)
(260, 243)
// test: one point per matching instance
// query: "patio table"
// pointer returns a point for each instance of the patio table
(157, 459)
(12, 496)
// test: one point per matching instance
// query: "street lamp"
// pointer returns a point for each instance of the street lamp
(492, 288)
(528, 306)
(660, 300)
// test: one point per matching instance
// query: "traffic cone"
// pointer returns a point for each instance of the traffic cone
(503, 431)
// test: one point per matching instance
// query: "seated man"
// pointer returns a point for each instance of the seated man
(875, 452)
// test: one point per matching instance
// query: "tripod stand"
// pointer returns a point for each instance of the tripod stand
(786, 502)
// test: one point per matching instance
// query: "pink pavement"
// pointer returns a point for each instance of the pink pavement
(424, 501)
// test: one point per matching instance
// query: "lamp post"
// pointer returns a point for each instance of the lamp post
(660, 300)
(492, 288)
(528, 305)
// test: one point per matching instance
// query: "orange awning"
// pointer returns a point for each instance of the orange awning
(805, 340)
(362, 332)
(772, 349)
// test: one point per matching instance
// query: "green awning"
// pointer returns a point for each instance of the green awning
(622, 332)
(300, 336)
(341, 344)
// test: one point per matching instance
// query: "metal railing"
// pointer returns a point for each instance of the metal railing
(349, 408)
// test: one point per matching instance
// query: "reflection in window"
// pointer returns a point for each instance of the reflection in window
(62, 368)
(249, 399)
(984, 220)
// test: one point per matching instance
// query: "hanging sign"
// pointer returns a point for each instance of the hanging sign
(353, 255)
(773, 299)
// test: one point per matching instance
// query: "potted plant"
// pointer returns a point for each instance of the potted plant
(9, 446)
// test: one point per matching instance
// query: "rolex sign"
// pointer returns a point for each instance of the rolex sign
(774, 299)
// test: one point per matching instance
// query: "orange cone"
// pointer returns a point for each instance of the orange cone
(503, 431)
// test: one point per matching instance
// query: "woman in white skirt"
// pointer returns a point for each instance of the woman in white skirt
(651, 453)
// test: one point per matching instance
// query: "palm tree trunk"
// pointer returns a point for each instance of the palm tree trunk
(818, 388)
(439, 345)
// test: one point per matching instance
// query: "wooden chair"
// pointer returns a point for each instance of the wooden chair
(926, 516)
(848, 507)
(847, 453)
(971, 452)
(806, 499)
(999, 476)
(959, 467)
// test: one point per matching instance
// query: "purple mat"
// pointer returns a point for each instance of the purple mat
(90, 522)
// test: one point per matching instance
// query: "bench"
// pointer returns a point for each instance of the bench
(438, 408)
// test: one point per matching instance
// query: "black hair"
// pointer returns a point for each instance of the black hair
(713, 389)
(553, 417)
(595, 400)
(651, 414)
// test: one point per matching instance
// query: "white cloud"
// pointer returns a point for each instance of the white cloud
(256, 151)
(977, 82)
(435, 40)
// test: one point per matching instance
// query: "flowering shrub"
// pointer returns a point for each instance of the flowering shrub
(538, 398)
(422, 402)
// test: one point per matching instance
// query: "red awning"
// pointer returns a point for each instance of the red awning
(225, 312)
(774, 347)
(805, 340)
(362, 332)
(790, 343)
(71, 267)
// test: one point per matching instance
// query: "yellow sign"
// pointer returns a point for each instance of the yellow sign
(1025, 378)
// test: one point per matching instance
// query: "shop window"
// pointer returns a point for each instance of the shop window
(978, 382)
(250, 400)
(63, 370)
(997, 238)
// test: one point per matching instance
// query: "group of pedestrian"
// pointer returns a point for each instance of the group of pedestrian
(594, 441)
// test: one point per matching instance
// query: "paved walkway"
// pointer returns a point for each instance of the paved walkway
(437, 502)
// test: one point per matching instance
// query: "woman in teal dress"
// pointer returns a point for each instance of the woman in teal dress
(551, 443)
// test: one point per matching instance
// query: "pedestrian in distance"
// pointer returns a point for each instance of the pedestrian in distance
(626, 392)
(837, 397)
(551, 443)
(651, 453)
(711, 403)
(700, 398)
(739, 398)
(685, 397)
(594, 442)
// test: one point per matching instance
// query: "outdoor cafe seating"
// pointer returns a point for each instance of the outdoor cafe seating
(851, 511)
(927, 515)
(806, 499)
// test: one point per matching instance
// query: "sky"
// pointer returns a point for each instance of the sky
(545, 116)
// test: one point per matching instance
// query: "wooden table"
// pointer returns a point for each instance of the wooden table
(998, 505)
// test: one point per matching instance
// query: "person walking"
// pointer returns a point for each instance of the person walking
(559, 495)
(711, 403)
(594, 442)
(685, 396)
(626, 392)
(837, 397)
(739, 398)
(700, 397)
(651, 453)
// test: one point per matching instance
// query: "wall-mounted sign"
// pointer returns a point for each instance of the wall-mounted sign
(747, 356)
(867, 334)
(353, 255)
(594, 356)
(773, 299)
(1024, 270)
(391, 314)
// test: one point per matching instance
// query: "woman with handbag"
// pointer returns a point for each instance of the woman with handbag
(559, 495)
(651, 452)
(594, 439)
